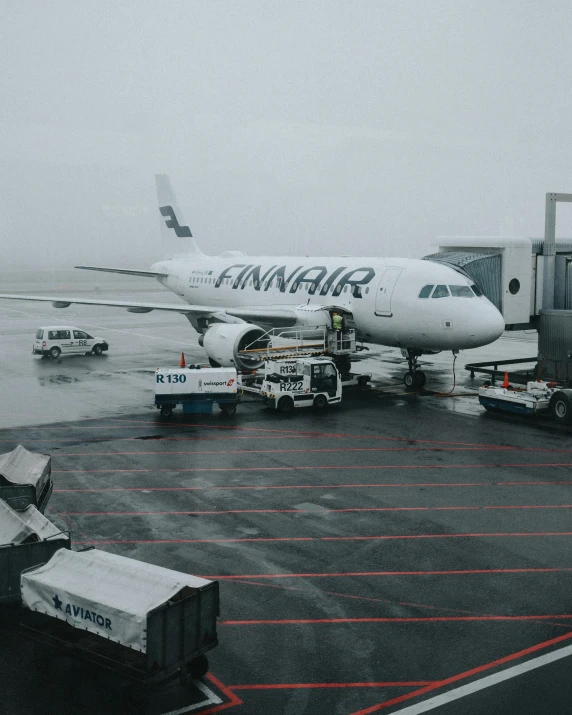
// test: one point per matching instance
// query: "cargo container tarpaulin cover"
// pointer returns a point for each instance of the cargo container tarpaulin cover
(109, 595)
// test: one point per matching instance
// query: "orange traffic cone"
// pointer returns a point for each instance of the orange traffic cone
(505, 382)
(182, 363)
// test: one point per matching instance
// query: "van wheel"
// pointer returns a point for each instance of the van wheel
(166, 410)
(320, 402)
(55, 353)
(285, 405)
(97, 350)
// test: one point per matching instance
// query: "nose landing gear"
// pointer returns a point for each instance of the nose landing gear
(414, 379)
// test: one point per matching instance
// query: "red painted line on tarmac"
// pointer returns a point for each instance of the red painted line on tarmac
(469, 446)
(225, 690)
(312, 486)
(327, 450)
(325, 538)
(309, 512)
(132, 424)
(446, 536)
(316, 467)
(337, 594)
(353, 574)
(464, 674)
(301, 686)
(276, 433)
(414, 619)
(310, 434)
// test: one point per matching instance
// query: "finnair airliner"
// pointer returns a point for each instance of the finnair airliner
(232, 299)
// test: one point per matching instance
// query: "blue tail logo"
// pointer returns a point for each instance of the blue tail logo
(172, 222)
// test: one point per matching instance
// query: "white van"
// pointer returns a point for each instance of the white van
(56, 340)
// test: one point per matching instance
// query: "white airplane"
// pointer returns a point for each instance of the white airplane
(232, 299)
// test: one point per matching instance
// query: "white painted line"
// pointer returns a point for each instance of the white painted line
(212, 699)
(483, 683)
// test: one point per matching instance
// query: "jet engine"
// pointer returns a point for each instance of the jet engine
(224, 341)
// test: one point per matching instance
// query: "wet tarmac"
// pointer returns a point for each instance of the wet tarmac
(372, 558)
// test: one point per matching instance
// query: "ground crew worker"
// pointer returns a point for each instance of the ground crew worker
(337, 322)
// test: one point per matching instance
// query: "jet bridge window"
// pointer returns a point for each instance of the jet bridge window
(461, 292)
(425, 292)
(440, 292)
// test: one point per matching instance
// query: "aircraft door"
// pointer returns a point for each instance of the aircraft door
(385, 291)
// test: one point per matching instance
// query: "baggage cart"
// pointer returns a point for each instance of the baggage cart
(146, 623)
(538, 398)
(196, 389)
(27, 539)
(25, 478)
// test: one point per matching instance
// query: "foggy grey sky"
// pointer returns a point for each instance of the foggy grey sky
(362, 128)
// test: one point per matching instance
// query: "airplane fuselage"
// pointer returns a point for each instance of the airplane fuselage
(388, 297)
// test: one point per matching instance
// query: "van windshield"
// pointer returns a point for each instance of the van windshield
(39, 334)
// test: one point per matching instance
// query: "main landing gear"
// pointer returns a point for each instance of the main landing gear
(414, 379)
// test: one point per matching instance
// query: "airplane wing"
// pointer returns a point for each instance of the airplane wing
(65, 302)
(270, 316)
(125, 271)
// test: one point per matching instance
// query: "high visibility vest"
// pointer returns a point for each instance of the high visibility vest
(337, 322)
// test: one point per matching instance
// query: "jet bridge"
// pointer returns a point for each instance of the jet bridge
(529, 280)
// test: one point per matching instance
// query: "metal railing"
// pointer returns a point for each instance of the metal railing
(301, 341)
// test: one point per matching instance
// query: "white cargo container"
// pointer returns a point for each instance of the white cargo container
(196, 389)
(25, 478)
(113, 596)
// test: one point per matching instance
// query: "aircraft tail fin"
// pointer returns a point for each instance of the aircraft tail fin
(176, 234)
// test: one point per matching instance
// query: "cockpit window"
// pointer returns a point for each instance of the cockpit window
(461, 292)
(440, 292)
(476, 290)
(425, 292)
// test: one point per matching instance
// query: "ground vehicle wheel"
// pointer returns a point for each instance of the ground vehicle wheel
(363, 381)
(55, 353)
(228, 410)
(285, 404)
(409, 380)
(166, 410)
(561, 408)
(199, 666)
(214, 363)
(320, 402)
(97, 349)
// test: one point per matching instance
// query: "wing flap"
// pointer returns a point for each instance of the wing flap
(268, 316)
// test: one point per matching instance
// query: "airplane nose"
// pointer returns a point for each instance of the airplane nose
(487, 327)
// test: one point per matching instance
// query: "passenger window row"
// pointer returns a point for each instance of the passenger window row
(457, 291)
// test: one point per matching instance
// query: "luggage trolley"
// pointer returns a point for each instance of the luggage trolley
(146, 623)
(25, 478)
(27, 539)
(196, 388)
